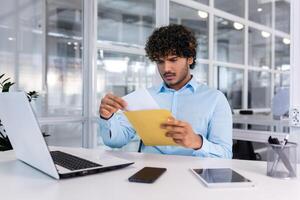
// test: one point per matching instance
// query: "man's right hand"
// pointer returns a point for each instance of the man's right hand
(111, 104)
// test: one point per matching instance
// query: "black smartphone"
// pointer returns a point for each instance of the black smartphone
(147, 175)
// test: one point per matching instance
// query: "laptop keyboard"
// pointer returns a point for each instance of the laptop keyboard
(71, 162)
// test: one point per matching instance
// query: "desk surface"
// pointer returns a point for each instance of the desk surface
(19, 181)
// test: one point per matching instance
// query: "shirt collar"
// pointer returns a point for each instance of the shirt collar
(192, 85)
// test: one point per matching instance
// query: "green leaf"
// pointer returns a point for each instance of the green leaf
(3, 142)
(5, 148)
(2, 75)
(1, 135)
(6, 86)
(5, 80)
(45, 134)
(32, 95)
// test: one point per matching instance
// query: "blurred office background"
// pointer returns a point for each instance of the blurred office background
(244, 51)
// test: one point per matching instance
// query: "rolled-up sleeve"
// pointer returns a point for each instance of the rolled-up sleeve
(218, 142)
(116, 131)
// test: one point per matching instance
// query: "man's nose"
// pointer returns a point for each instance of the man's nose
(168, 66)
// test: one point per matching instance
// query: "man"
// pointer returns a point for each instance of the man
(202, 123)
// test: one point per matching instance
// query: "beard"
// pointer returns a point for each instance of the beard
(173, 79)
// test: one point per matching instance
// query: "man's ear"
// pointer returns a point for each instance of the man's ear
(190, 60)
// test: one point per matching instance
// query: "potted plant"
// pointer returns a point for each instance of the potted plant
(5, 85)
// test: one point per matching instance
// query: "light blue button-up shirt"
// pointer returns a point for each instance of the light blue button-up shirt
(205, 109)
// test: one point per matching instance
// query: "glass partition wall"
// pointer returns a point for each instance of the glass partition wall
(243, 51)
(41, 50)
(247, 47)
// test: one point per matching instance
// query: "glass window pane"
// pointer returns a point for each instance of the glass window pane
(206, 2)
(230, 81)
(126, 21)
(29, 70)
(121, 73)
(282, 80)
(64, 67)
(228, 41)
(21, 44)
(69, 134)
(259, 89)
(197, 21)
(8, 41)
(200, 73)
(261, 12)
(282, 53)
(282, 13)
(235, 7)
(259, 48)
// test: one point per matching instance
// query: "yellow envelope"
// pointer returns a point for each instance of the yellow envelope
(147, 125)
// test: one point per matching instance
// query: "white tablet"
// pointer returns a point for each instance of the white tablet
(222, 177)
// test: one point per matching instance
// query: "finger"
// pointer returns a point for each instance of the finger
(173, 128)
(170, 118)
(109, 99)
(174, 123)
(175, 135)
(104, 113)
(177, 141)
(118, 100)
(109, 108)
(112, 103)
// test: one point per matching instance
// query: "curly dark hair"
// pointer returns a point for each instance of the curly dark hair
(171, 40)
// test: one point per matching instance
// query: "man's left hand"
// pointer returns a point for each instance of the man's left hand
(182, 133)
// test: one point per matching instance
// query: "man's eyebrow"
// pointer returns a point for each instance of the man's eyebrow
(173, 57)
(162, 59)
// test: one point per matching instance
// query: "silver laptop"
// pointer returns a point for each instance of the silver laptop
(30, 147)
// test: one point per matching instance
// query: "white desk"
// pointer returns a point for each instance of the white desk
(19, 181)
